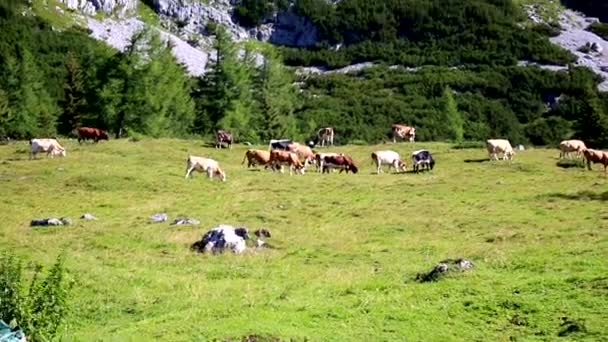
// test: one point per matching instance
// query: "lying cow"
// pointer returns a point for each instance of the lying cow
(50, 146)
(96, 134)
(256, 157)
(422, 158)
(342, 162)
(210, 166)
(596, 156)
(390, 158)
(496, 146)
(222, 237)
(279, 144)
(279, 158)
(568, 146)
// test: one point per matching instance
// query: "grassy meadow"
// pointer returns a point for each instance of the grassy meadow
(347, 247)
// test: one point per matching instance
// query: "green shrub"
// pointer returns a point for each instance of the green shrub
(601, 29)
(40, 309)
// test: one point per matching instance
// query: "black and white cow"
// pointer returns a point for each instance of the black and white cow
(222, 237)
(422, 158)
(279, 144)
(222, 137)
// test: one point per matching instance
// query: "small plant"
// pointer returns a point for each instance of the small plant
(41, 309)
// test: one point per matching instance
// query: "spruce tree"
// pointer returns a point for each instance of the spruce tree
(453, 118)
(74, 99)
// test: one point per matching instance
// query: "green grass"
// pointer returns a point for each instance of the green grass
(61, 18)
(348, 246)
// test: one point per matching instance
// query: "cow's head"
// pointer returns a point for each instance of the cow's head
(103, 135)
(402, 166)
(262, 232)
(509, 154)
(59, 152)
(221, 174)
(242, 232)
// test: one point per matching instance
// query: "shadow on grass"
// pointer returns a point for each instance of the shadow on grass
(566, 164)
(482, 160)
(581, 196)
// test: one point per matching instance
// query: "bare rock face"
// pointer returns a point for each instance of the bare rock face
(118, 8)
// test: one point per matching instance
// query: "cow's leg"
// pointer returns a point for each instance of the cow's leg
(189, 171)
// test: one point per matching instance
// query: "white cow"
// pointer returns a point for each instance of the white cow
(496, 146)
(210, 166)
(223, 237)
(568, 146)
(390, 158)
(50, 146)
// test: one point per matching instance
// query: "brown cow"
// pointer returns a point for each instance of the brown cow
(85, 133)
(402, 132)
(222, 137)
(256, 157)
(342, 162)
(279, 158)
(596, 156)
(305, 153)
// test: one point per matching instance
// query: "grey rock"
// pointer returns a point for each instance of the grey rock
(444, 267)
(185, 220)
(118, 8)
(158, 217)
(88, 216)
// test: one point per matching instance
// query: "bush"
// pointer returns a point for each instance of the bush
(601, 29)
(39, 310)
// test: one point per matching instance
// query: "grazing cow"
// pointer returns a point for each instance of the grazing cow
(96, 134)
(390, 158)
(496, 146)
(50, 146)
(210, 166)
(279, 158)
(222, 137)
(325, 135)
(222, 237)
(402, 132)
(305, 153)
(342, 162)
(319, 157)
(279, 144)
(422, 158)
(568, 146)
(256, 157)
(596, 156)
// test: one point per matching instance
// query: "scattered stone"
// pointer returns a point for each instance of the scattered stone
(444, 267)
(88, 216)
(64, 221)
(185, 220)
(158, 217)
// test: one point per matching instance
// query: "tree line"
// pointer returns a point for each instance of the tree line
(54, 81)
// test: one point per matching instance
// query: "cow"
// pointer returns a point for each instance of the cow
(596, 156)
(222, 237)
(568, 146)
(202, 164)
(319, 157)
(422, 158)
(496, 146)
(279, 158)
(390, 158)
(256, 157)
(305, 153)
(86, 133)
(222, 137)
(341, 162)
(50, 146)
(325, 135)
(279, 144)
(402, 132)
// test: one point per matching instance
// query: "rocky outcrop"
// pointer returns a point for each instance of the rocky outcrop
(117, 34)
(119, 8)
(287, 28)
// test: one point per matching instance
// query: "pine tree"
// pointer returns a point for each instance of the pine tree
(224, 95)
(74, 100)
(454, 121)
(5, 113)
(275, 99)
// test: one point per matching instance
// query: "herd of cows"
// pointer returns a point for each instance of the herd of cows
(298, 157)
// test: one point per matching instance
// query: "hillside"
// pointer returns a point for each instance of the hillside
(347, 247)
(496, 64)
